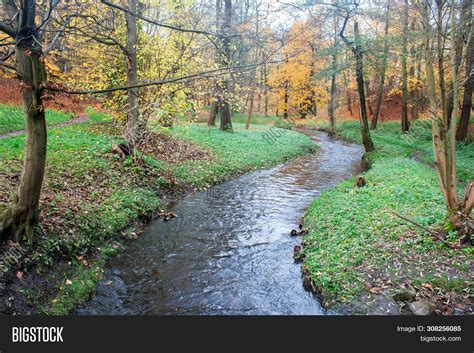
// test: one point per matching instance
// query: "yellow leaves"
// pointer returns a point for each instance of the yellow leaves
(295, 77)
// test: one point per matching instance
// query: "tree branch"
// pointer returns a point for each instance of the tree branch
(8, 66)
(7, 29)
(143, 18)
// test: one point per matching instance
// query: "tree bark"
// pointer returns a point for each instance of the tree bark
(285, 101)
(132, 131)
(332, 95)
(405, 122)
(250, 110)
(463, 127)
(215, 103)
(226, 124)
(348, 95)
(364, 124)
(214, 109)
(375, 117)
(20, 218)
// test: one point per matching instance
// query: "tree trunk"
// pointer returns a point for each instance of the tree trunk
(250, 110)
(369, 95)
(285, 102)
(226, 124)
(375, 117)
(441, 44)
(332, 102)
(265, 89)
(348, 95)
(463, 127)
(214, 109)
(364, 124)
(444, 139)
(21, 217)
(132, 131)
(405, 122)
(215, 103)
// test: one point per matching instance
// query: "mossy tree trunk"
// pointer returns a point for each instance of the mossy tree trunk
(20, 218)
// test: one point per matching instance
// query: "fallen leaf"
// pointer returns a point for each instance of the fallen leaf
(19, 274)
(375, 290)
(428, 286)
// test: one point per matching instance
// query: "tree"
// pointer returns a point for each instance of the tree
(293, 81)
(359, 70)
(216, 101)
(225, 114)
(444, 131)
(132, 131)
(21, 216)
(375, 117)
(333, 98)
(405, 122)
(466, 27)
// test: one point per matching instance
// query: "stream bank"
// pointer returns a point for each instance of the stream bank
(363, 259)
(229, 250)
(92, 201)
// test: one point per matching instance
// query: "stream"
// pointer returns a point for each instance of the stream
(229, 250)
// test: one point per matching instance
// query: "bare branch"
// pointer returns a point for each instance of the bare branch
(8, 66)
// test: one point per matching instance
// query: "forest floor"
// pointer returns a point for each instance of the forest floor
(361, 258)
(92, 200)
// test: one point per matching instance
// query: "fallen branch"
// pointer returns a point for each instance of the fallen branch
(434, 234)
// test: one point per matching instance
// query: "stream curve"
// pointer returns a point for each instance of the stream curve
(228, 251)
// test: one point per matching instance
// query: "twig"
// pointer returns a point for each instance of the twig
(435, 234)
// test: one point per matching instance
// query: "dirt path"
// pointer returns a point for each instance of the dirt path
(80, 118)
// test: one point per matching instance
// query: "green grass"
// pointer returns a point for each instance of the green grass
(90, 197)
(353, 236)
(391, 142)
(256, 119)
(11, 118)
(235, 153)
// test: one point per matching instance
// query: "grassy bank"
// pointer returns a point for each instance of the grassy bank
(358, 250)
(90, 197)
(11, 118)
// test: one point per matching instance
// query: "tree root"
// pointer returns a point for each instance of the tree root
(17, 224)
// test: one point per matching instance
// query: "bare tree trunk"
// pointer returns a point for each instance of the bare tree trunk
(250, 110)
(286, 97)
(463, 127)
(215, 103)
(444, 139)
(405, 122)
(21, 217)
(132, 131)
(332, 95)
(331, 106)
(348, 94)
(441, 43)
(226, 124)
(356, 49)
(369, 95)
(213, 111)
(265, 89)
(375, 117)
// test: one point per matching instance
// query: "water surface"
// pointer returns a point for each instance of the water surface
(229, 250)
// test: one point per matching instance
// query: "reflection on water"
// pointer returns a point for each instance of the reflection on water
(229, 250)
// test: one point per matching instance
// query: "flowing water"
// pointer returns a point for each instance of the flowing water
(228, 251)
